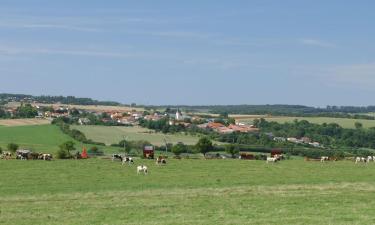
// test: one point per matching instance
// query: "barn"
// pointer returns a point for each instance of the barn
(148, 152)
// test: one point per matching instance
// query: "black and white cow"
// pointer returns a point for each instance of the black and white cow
(117, 156)
(128, 160)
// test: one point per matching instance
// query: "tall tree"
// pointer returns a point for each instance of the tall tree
(204, 145)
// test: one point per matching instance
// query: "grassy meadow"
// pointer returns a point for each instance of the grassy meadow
(38, 137)
(98, 191)
(344, 122)
(111, 135)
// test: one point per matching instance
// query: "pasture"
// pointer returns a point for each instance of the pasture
(111, 135)
(23, 122)
(41, 138)
(344, 122)
(38, 137)
(98, 191)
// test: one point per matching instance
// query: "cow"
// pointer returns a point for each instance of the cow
(161, 161)
(324, 158)
(360, 159)
(128, 160)
(22, 156)
(117, 156)
(6, 155)
(370, 158)
(271, 160)
(142, 169)
(47, 157)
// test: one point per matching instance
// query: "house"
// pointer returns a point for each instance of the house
(279, 139)
(243, 128)
(83, 121)
(292, 139)
(224, 130)
(306, 140)
(214, 125)
(315, 144)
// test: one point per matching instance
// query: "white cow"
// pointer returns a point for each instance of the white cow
(47, 157)
(360, 159)
(142, 169)
(324, 158)
(271, 160)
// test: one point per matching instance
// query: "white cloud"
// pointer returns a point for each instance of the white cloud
(72, 52)
(360, 75)
(317, 43)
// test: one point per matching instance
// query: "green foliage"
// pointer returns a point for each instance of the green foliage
(94, 151)
(12, 147)
(1, 150)
(26, 111)
(204, 145)
(63, 154)
(331, 134)
(232, 149)
(179, 148)
(358, 125)
(67, 146)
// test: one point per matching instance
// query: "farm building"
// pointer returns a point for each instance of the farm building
(148, 152)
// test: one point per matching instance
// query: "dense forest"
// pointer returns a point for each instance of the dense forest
(4, 98)
(282, 110)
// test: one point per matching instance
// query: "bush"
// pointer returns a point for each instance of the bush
(63, 154)
(94, 151)
(12, 147)
(1, 150)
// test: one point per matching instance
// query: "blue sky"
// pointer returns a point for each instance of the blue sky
(191, 52)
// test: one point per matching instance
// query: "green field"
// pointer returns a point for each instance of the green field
(99, 191)
(346, 123)
(111, 135)
(40, 138)
(44, 138)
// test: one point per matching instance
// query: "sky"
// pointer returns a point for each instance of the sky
(195, 52)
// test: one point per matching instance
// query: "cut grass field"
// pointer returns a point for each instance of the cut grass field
(111, 135)
(346, 123)
(23, 122)
(99, 191)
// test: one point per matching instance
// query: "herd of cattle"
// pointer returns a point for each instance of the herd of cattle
(140, 169)
(27, 155)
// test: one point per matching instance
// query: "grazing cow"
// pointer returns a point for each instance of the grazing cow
(128, 160)
(161, 161)
(324, 158)
(271, 160)
(142, 169)
(6, 155)
(278, 157)
(47, 157)
(117, 156)
(370, 158)
(22, 156)
(360, 159)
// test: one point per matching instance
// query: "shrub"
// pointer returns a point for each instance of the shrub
(63, 154)
(12, 147)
